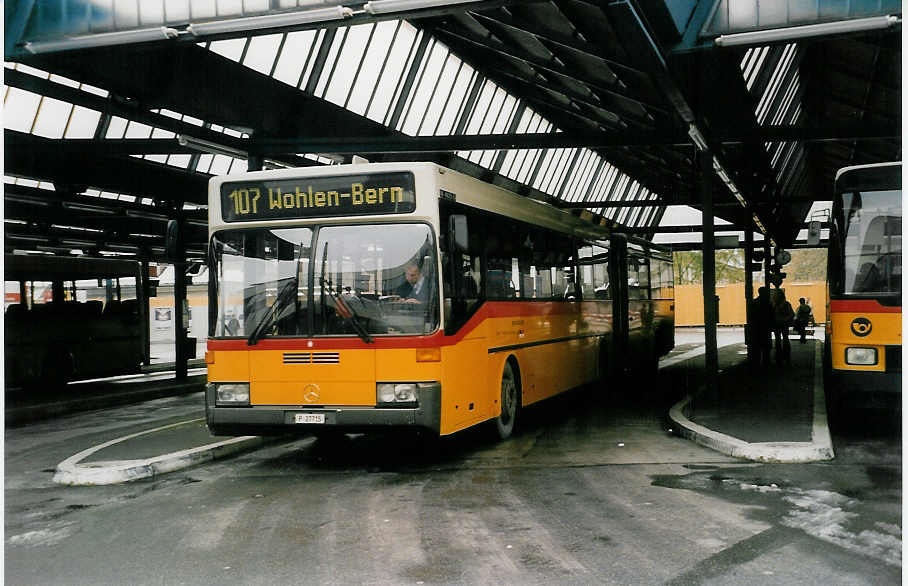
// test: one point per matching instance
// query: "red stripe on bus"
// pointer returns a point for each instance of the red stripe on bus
(489, 309)
(861, 306)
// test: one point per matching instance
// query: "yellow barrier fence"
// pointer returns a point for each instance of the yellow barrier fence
(732, 306)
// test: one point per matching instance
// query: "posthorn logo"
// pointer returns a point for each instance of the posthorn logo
(310, 393)
(861, 326)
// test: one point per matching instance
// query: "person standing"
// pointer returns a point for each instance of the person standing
(783, 319)
(802, 318)
(762, 325)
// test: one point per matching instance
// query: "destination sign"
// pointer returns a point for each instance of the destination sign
(311, 197)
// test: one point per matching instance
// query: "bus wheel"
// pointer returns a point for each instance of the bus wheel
(510, 402)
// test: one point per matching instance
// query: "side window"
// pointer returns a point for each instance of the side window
(462, 270)
(637, 277)
(560, 260)
(529, 241)
(503, 266)
(593, 276)
(661, 279)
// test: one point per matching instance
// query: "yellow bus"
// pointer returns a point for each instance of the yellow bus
(389, 295)
(864, 331)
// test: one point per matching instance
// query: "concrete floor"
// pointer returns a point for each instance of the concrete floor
(585, 493)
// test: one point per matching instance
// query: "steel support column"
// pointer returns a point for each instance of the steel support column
(146, 308)
(710, 304)
(748, 293)
(180, 308)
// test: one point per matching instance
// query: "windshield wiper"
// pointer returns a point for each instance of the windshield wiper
(346, 311)
(289, 291)
(283, 296)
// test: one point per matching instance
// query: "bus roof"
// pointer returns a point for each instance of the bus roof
(508, 203)
(868, 166)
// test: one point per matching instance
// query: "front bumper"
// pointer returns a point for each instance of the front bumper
(278, 419)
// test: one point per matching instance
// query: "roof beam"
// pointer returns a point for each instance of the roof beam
(494, 46)
(63, 162)
(273, 146)
(131, 110)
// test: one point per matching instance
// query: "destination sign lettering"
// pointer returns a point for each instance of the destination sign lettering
(348, 195)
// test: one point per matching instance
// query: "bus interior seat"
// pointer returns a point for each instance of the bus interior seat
(112, 307)
(92, 308)
(496, 286)
(129, 307)
(868, 278)
(470, 289)
(16, 310)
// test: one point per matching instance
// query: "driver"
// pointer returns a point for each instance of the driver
(413, 290)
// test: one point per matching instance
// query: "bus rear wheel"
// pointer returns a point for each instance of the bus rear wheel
(510, 402)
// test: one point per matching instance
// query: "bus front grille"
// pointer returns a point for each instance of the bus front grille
(311, 358)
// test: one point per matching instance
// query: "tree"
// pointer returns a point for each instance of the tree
(689, 266)
(807, 264)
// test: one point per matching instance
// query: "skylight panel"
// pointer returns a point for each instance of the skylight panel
(83, 122)
(441, 92)
(51, 118)
(347, 65)
(137, 130)
(230, 48)
(262, 52)
(424, 94)
(295, 55)
(455, 99)
(203, 9)
(20, 108)
(398, 59)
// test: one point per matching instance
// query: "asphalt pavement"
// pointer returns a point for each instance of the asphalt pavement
(775, 414)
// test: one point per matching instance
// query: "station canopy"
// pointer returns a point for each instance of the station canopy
(116, 113)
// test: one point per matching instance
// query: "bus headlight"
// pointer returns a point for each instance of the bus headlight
(861, 356)
(396, 394)
(232, 394)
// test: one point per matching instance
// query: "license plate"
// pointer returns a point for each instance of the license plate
(308, 418)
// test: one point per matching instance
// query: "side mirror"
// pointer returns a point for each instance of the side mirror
(457, 232)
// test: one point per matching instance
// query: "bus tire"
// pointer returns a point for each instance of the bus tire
(510, 400)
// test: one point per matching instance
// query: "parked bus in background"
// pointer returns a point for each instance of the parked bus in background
(69, 318)
(864, 330)
(409, 295)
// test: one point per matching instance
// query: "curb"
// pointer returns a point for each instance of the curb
(819, 449)
(20, 415)
(73, 473)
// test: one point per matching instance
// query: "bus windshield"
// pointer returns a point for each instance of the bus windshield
(872, 241)
(359, 280)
